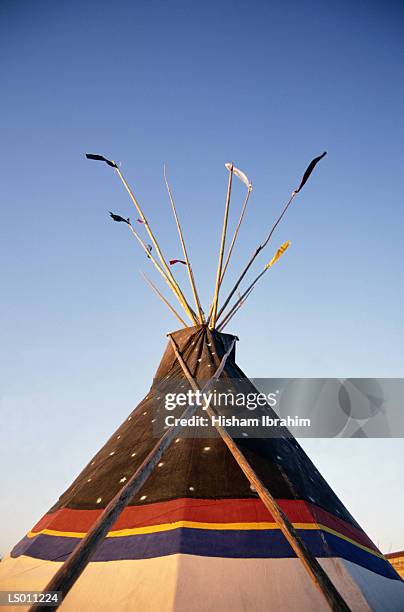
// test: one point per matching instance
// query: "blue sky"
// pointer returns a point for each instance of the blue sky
(266, 84)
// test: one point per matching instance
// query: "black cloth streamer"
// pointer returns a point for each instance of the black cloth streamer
(119, 219)
(309, 170)
(101, 158)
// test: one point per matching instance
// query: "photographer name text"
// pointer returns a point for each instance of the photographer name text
(235, 421)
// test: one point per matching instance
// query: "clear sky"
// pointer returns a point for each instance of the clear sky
(266, 84)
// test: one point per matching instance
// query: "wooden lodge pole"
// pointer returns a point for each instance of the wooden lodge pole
(67, 575)
(256, 253)
(247, 292)
(241, 301)
(212, 319)
(321, 580)
(184, 250)
(236, 231)
(163, 299)
(177, 288)
(156, 264)
(233, 240)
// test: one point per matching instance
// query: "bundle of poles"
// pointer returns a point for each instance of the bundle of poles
(218, 317)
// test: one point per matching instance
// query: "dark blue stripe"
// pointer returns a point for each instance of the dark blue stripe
(242, 544)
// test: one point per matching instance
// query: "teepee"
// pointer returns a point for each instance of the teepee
(170, 519)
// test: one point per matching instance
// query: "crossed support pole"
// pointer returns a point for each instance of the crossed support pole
(312, 566)
(75, 564)
(72, 568)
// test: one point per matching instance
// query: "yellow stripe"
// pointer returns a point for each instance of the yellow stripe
(170, 527)
(344, 537)
(197, 525)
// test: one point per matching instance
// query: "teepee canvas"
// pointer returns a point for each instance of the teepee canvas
(183, 522)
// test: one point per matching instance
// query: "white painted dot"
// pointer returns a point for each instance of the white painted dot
(160, 464)
(278, 457)
(89, 479)
(153, 420)
(92, 463)
(209, 344)
(209, 366)
(206, 448)
(99, 500)
(129, 418)
(133, 455)
(191, 488)
(117, 437)
(213, 353)
(113, 453)
(143, 497)
(145, 412)
(244, 434)
(177, 440)
(253, 489)
(199, 360)
(123, 479)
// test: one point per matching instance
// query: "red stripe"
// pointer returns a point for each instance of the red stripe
(202, 510)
